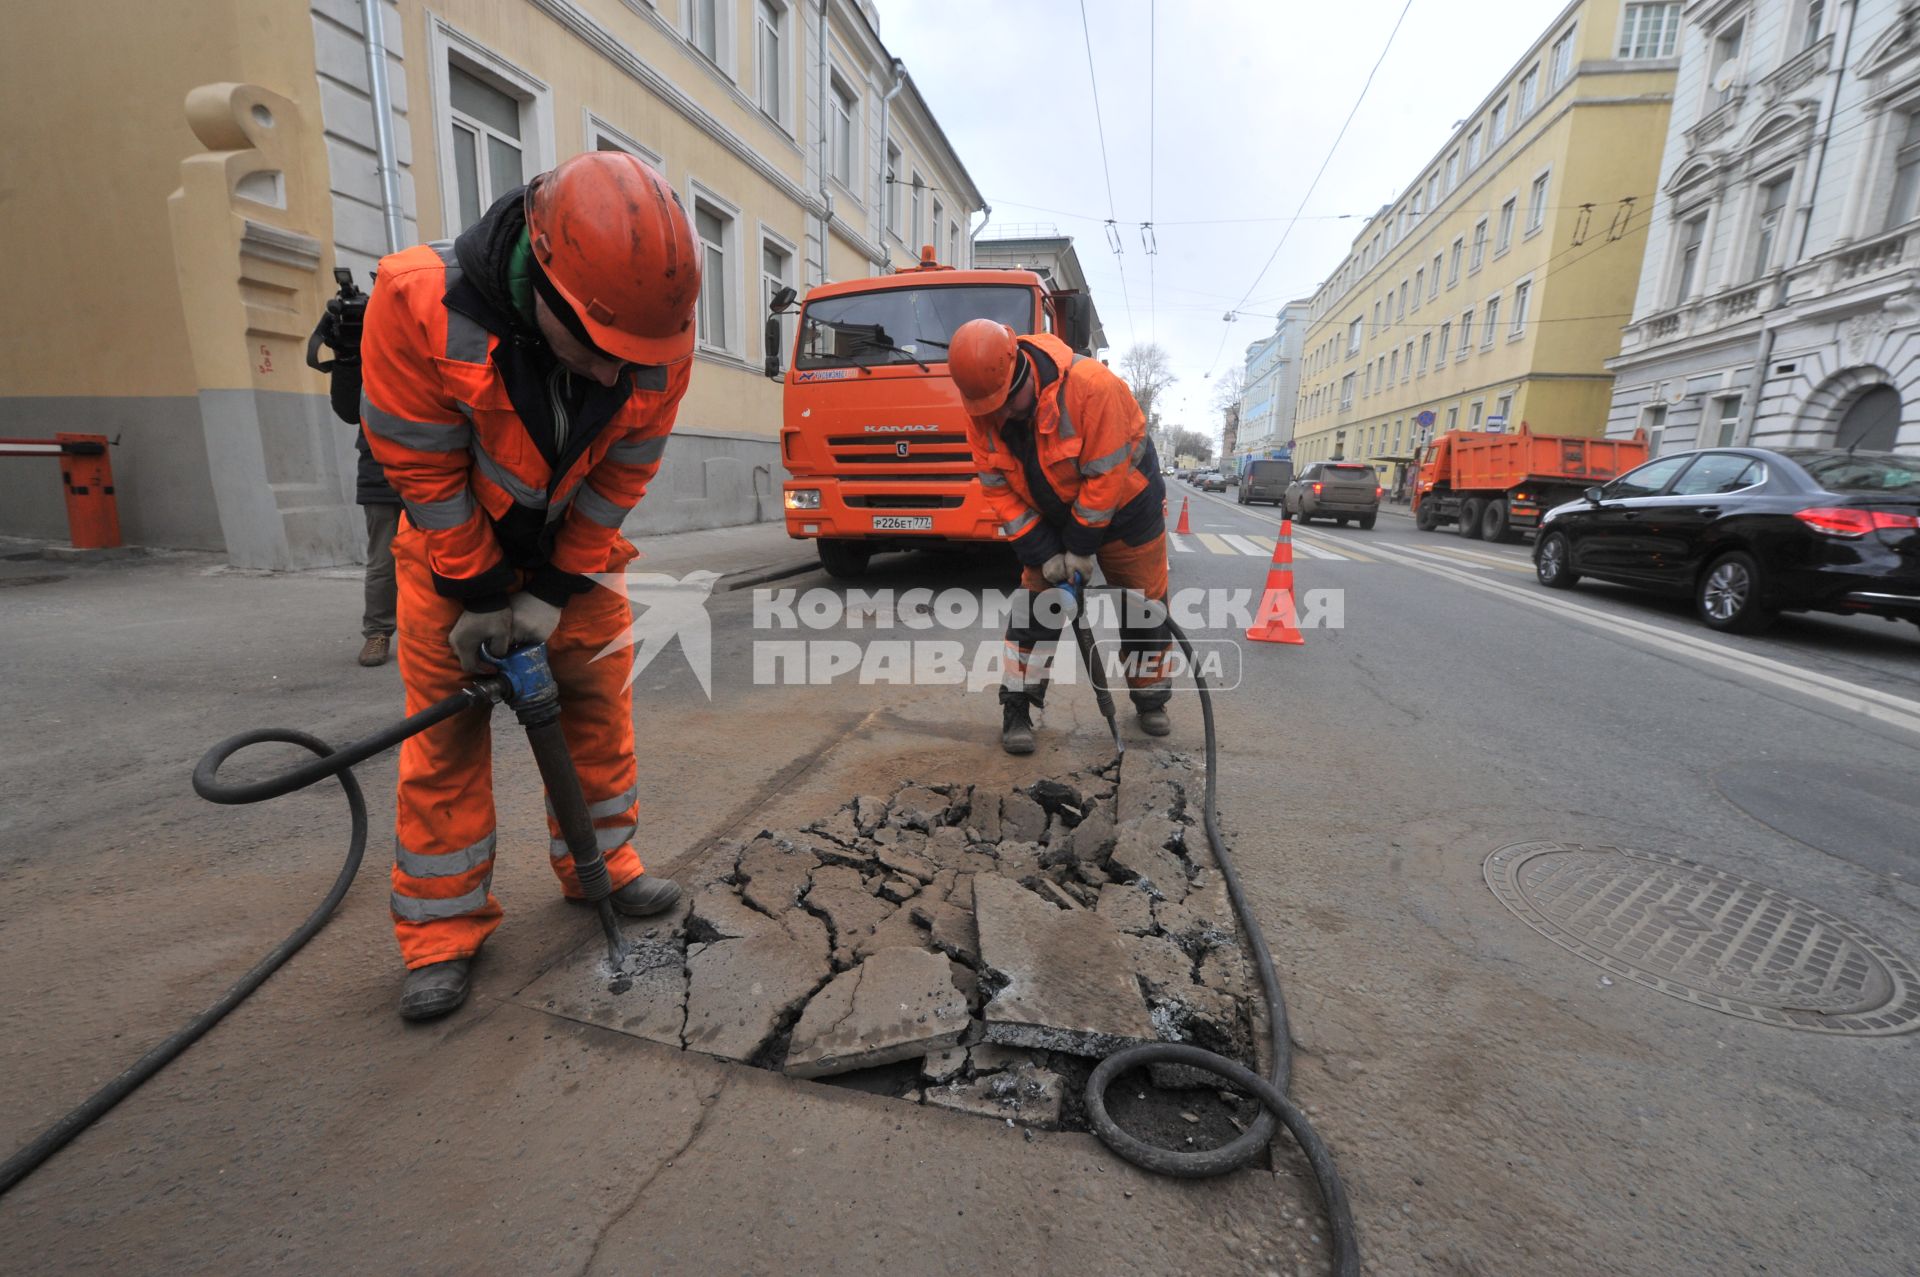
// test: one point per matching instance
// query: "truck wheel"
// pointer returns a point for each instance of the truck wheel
(1495, 524)
(1553, 562)
(1471, 511)
(1731, 596)
(844, 560)
(1368, 520)
(1425, 519)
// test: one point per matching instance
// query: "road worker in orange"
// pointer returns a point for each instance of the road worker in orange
(518, 387)
(1063, 453)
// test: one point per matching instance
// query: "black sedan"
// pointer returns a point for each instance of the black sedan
(1749, 533)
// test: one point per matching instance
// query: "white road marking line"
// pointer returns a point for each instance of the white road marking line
(1308, 542)
(1214, 543)
(1440, 556)
(1179, 543)
(1246, 546)
(1462, 552)
(1312, 551)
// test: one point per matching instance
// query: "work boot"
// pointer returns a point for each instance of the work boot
(374, 650)
(1016, 726)
(1154, 722)
(646, 895)
(435, 989)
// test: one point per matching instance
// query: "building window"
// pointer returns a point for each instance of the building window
(1453, 417)
(1560, 60)
(1406, 363)
(1473, 150)
(1729, 423)
(602, 136)
(770, 44)
(1502, 408)
(489, 157)
(1655, 424)
(893, 188)
(1393, 368)
(1537, 204)
(1400, 312)
(1766, 231)
(1692, 232)
(918, 203)
(1346, 392)
(842, 145)
(1446, 337)
(1650, 30)
(1812, 28)
(1433, 191)
(1529, 90)
(706, 28)
(1376, 318)
(1493, 321)
(1426, 349)
(1453, 261)
(1433, 280)
(1453, 172)
(1474, 411)
(1419, 286)
(1466, 333)
(953, 245)
(1725, 66)
(933, 226)
(1522, 294)
(1479, 257)
(714, 226)
(1505, 240)
(1353, 337)
(1906, 175)
(776, 272)
(1497, 130)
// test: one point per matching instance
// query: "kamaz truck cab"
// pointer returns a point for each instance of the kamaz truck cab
(872, 434)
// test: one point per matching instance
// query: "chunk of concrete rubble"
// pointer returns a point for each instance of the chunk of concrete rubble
(1149, 788)
(1028, 1096)
(1127, 906)
(718, 914)
(1227, 969)
(939, 1066)
(897, 928)
(917, 807)
(1021, 819)
(841, 827)
(945, 848)
(950, 929)
(1203, 920)
(898, 1004)
(990, 1057)
(983, 814)
(869, 813)
(772, 877)
(1140, 856)
(1061, 979)
(907, 864)
(1017, 860)
(841, 895)
(898, 889)
(860, 857)
(741, 991)
(1055, 795)
(1092, 840)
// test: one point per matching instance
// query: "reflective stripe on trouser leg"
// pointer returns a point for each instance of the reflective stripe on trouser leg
(1032, 642)
(442, 901)
(596, 717)
(1145, 641)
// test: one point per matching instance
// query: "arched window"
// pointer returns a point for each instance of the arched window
(1872, 423)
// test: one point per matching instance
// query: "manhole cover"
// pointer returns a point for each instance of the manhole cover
(1710, 937)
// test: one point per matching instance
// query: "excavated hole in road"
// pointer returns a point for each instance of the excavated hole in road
(969, 949)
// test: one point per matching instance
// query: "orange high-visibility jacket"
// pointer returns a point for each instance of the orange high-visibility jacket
(1092, 450)
(437, 403)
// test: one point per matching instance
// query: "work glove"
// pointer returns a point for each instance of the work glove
(534, 618)
(493, 628)
(1081, 563)
(1055, 569)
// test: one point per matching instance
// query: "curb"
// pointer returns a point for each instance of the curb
(761, 575)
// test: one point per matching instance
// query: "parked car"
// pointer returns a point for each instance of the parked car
(1339, 490)
(1749, 533)
(1211, 481)
(1265, 480)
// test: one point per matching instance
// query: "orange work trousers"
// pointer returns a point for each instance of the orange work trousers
(443, 904)
(1031, 641)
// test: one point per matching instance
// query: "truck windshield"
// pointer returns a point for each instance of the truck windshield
(902, 325)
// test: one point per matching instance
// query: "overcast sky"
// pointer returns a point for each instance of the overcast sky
(1248, 96)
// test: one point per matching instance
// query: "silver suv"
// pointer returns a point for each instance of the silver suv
(1338, 490)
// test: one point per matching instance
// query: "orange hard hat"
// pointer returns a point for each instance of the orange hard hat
(613, 240)
(983, 359)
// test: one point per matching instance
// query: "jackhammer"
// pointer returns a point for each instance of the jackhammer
(522, 681)
(1271, 1090)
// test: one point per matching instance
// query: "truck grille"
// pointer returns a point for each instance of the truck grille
(902, 501)
(946, 448)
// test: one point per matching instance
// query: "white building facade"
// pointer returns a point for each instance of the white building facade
(1776, 302)
(1272, 390)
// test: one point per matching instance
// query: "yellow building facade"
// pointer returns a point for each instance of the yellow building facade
(1493, 290)
(184, 179)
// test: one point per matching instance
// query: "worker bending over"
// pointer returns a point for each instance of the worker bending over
(1063, 453)
(518, 387)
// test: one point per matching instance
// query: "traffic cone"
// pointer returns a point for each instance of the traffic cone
(1275, 620)
(1183, 527)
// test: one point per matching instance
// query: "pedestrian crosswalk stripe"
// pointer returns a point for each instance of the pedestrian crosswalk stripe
(1246, 546)
(1258, 547)
(1215, 543)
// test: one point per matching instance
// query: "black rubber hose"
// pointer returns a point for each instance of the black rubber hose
(1271, 1092)
(206, 783)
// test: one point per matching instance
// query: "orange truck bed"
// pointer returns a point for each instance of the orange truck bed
(1495, 486)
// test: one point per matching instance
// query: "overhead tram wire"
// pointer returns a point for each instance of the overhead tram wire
(1311, 186)
(1148, 236)
(1100, 126)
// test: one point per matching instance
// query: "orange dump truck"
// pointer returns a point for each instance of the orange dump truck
(1494, 486)
(872, 433)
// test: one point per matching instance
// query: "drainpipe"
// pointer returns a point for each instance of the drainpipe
(886, 103)
(987, 211)
(1750, 410)
(826, 125)
(374, 20)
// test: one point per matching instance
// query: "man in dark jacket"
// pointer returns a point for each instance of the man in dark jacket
(382, 505)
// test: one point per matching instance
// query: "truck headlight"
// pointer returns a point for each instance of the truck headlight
(803, 498)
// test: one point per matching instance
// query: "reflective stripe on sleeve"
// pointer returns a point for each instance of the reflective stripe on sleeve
(608, 514)
(638, 452)
(1015, 527)
(1112, 461)
(438, 516)
(416, 909)
(447, 865)
(993, 479)
(1092, 518)
(605, 839)
(421, 436)
(517, 488)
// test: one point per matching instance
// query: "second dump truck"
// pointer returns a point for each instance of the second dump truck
(872, 434)
(1493, 487)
